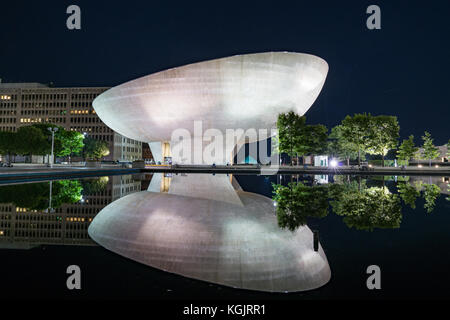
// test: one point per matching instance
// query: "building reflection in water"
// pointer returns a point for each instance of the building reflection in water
(206, 227)
(26, 221)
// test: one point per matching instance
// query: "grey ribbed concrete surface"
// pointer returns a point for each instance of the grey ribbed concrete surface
(238, 92)
(241, 91)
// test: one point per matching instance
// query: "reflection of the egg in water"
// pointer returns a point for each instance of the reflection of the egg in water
(205, 227)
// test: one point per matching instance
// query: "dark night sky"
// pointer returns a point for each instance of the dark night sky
(402, 69)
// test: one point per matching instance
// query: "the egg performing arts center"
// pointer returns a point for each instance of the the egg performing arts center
(238, 92)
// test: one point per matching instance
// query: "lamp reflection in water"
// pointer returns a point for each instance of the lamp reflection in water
(205, 227)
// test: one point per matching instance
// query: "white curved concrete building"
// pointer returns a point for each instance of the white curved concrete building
(200, 227)
(242, 91)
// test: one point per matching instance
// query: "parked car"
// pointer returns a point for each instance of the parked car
(6, 164)
(364, 166)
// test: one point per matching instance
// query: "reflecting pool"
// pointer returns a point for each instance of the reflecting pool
(220, 236)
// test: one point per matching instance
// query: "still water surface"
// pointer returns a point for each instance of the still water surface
(399, 224)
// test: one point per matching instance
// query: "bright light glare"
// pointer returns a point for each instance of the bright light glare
(333, 163)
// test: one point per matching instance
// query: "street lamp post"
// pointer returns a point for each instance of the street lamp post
(52, 130)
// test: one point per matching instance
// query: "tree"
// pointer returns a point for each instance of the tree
(57, 147)
(30, 140)
(296, 138)
(383, 133)
(71, 142)
(312, 139)
(8, 143)
(448, 149)
(339, 146)
(95, 149)
(407, 149)
(290, 126)
(356, 130)
(429, 151)
(66, 142)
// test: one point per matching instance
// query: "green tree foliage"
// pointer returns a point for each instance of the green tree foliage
(58, 137)
(383, 133)
(430, 194)
(371, 134)
(407, 149)
(356, 131)
(35, 196)
(95, 149)
(30, 140)
(93, 186)
(8, 143)
(296, 138)
(66, 142)
(297, 202)
(36, 139)
(429, 151)
(66, 191)
(362, 207)
(369, 208)
(338, 146)
(448, 148)
(290, 126)
(312, 140)
(408, 193)
(71, 143)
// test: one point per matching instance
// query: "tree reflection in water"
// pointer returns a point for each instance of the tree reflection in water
(410, 192)
(93, 186)
(430, 193)
(297, 202)
(362, 207)
(35, 196)
(368, 208)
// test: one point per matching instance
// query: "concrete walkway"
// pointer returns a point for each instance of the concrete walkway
(39, 172)
(267, 170)
(35, 172)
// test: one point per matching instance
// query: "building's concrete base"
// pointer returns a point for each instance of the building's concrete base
(156, 149)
